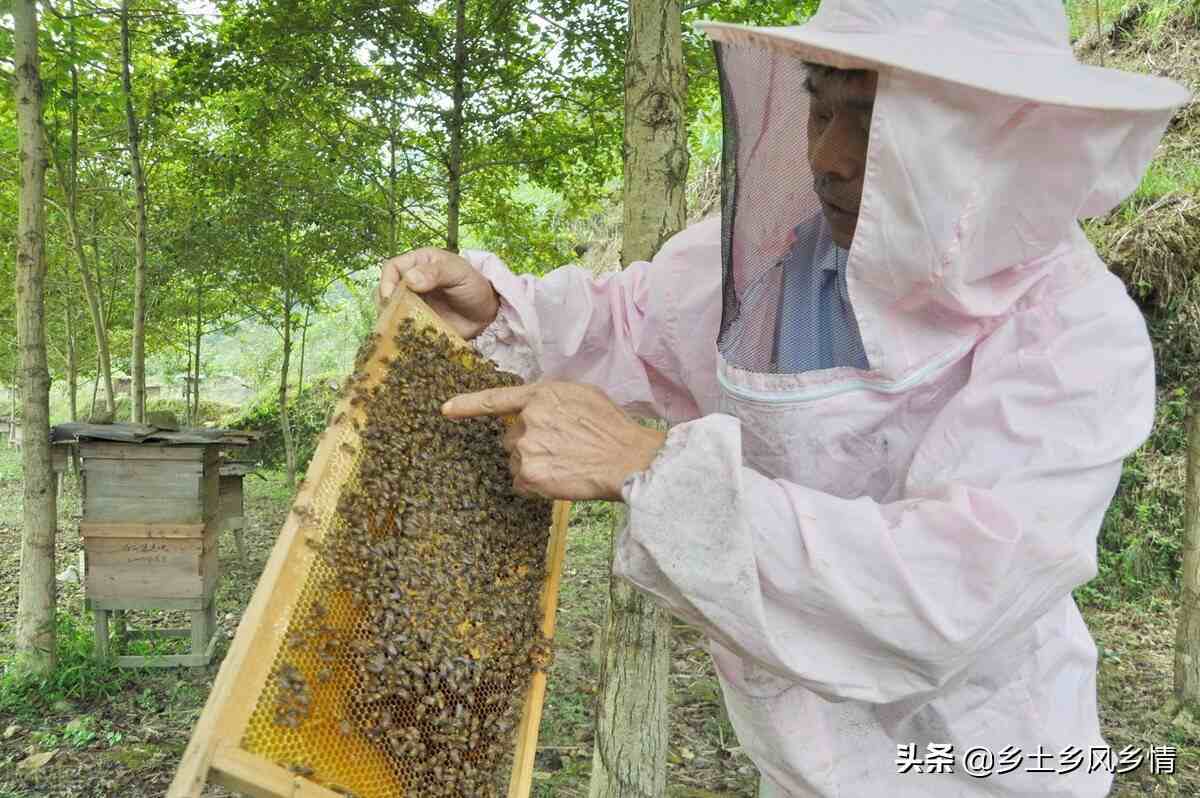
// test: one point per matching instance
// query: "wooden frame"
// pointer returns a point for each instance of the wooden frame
(214, 754)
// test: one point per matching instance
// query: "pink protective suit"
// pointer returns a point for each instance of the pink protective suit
(887, 556)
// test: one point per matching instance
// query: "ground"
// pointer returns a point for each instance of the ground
(120, 733)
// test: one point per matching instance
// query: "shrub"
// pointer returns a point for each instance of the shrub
(211, 413)
(308, 411)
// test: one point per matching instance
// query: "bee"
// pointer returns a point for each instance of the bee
(300, 770)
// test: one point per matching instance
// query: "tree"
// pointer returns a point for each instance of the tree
(299, 234)
(68, 181)
(194, 214)
(631, 727)
(138, 367)
(465, 100)
(35, 639)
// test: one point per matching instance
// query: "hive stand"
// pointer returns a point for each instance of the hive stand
(150, 539)
(216, 752)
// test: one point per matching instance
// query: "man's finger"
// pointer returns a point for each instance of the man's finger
(492, 402)
(417, 269)
(419, 280)
(387, 285)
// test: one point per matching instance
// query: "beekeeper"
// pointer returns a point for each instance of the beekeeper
(900, 385)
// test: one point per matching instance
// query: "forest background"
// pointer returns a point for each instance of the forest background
(287, 146)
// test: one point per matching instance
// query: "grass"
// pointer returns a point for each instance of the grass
(1162, 12)
(1176, 176)
(79, 675)
(1081, 15)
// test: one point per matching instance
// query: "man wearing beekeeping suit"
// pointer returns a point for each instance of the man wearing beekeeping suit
(900, 386)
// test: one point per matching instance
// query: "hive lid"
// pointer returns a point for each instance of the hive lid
(123, 432)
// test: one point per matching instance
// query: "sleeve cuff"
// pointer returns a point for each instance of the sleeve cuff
(505, 341)
(638, 482)
(510, 352)
(659, 550)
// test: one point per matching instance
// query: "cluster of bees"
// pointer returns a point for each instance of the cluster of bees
(445, 564)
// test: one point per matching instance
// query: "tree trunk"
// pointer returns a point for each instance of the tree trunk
(68, 182)
(12, 407)
(629, 758)
(393, 219)
(72, 364)
(194, 393)
(632, 733)
(285, 425)
(303, 343)
(656, 155)
(95, 390)
(1187, 640)
(454, 165)
(35, 638)
(91, 294)
(137, 388)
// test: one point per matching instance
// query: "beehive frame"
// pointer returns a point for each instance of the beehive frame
(215, 752)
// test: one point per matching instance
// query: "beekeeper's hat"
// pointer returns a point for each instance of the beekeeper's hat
(988, 140)
(1016, 48)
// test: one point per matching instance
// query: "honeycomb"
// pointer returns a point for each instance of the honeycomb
(407, 655)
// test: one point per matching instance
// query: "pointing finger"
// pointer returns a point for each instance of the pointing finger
(492, 402)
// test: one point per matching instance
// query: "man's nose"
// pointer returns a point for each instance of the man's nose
(832, 155)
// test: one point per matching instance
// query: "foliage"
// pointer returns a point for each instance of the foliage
(1155, 17)
(1140, 539)
(309, 413)
(211, 413)
(79, 675)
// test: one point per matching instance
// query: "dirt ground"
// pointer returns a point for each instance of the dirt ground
(120, 733)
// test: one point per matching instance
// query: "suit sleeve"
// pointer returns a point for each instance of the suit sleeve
(616, 331)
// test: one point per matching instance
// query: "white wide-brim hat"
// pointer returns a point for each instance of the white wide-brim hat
(1015, 48)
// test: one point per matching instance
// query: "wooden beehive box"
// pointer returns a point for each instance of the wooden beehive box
(232, 503)
(60, 457)
(231, 514)
(149, 524)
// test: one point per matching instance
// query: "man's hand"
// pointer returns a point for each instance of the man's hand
(568, 441)
(452, 287)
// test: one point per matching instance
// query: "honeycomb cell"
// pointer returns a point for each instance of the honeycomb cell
(414, 639)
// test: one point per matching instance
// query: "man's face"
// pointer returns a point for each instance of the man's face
(839, 122)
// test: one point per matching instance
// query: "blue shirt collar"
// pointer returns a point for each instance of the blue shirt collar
(832, 259)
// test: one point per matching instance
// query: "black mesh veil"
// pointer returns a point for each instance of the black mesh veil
(780, 247)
